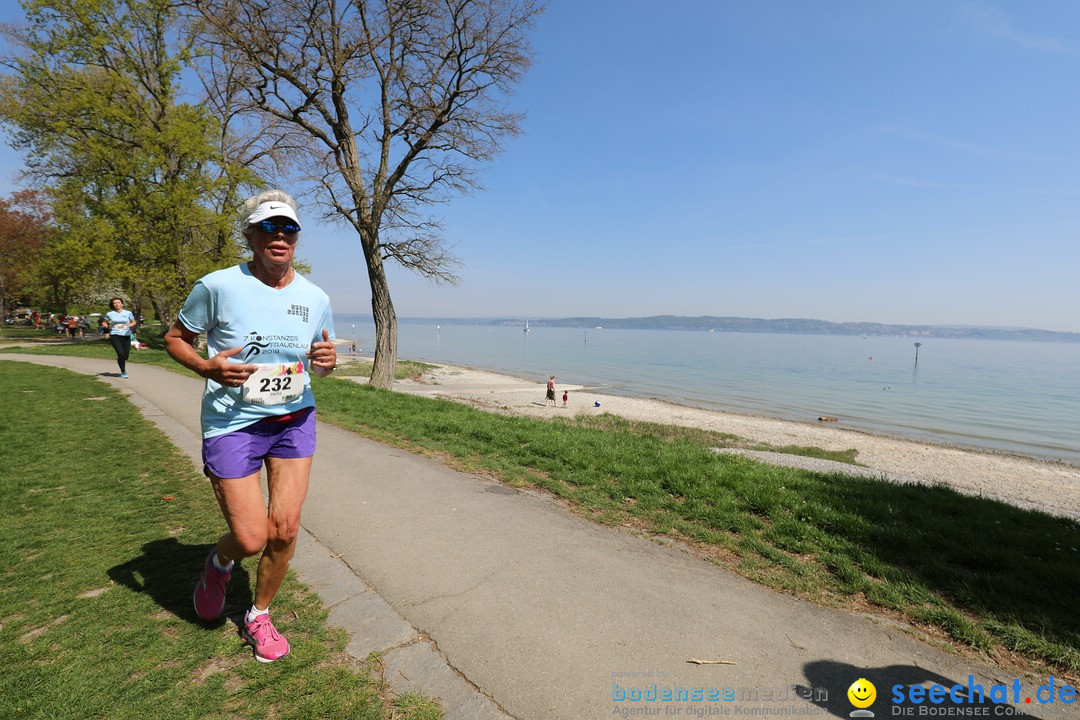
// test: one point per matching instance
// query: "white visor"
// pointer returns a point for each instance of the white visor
(273, 209)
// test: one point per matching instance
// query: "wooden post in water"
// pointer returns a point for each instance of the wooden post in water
(917, 346)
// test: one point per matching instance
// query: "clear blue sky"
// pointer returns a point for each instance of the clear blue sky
(847, 160)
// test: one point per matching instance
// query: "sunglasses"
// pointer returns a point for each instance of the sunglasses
(271, 227)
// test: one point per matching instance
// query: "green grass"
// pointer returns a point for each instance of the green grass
(91, 346)
(360, 367)
(103, 529)
(97, 346)
(708, 438)
(986, 574)
(24, 332)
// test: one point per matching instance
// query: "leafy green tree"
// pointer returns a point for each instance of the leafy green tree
(386, 107)
(93, 95)
(69, 268)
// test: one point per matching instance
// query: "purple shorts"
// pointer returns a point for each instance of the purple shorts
(241, 452)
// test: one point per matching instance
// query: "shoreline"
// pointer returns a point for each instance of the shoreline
(1026, 482)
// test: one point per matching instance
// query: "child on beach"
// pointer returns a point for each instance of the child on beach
(565, 397)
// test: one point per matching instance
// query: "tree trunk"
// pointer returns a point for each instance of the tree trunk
(382, 307)
(162, 311)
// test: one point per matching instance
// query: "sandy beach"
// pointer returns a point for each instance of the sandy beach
(1021, 481)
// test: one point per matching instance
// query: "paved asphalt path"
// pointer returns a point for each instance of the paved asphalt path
(503, 604)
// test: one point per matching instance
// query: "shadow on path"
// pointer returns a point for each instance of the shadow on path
(837, 677)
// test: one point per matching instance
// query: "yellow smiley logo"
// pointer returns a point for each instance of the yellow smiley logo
(862, 693)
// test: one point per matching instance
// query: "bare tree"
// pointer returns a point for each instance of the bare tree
(394, 105)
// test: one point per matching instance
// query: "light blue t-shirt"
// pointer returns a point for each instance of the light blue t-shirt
(236, 309)
(120, 322)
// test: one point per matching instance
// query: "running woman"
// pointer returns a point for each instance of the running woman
(120, 324)
(267, 328)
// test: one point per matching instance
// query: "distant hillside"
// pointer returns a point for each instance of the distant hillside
(780, 325)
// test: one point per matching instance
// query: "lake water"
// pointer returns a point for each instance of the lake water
(1018, 397)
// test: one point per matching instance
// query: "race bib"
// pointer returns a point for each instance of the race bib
(275, 384)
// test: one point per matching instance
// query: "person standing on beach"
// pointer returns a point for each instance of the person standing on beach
(120, 324)
(266, 328)
(550, 391)
(565, 397)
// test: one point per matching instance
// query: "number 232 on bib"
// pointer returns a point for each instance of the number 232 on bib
(275, 384)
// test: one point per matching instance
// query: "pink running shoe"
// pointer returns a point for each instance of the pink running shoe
(210, 592)
(261, 634)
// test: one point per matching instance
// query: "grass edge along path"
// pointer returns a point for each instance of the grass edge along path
(986, 575)
(103, 528)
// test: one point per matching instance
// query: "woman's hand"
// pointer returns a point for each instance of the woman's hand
(322, 356)
(223, 372)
